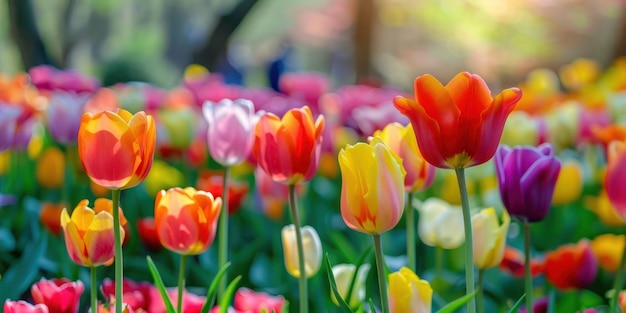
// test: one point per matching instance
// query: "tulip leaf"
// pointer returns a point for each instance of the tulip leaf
(458, 303)
(159, 283)
(23, 272)
(356, 272)
(517, 304)
(333, 286)
(372, 307)
(228, 295)
(210, 296)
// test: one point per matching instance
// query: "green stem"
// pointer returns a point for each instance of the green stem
(410, 233)
(480, 308)
(380, 269)
(618, 283)
(469, 250)
(181, 283)
(528, 277)
(94, 290)
(119, 258)
(302, 284)
(223, 234)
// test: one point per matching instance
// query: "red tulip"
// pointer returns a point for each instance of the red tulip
(249, 301)
(60, 295)
(148, 233)
(23, 307)
(572, 266)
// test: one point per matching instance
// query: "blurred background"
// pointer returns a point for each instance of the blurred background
(384, 41)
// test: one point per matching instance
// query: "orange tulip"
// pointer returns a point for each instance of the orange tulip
(116, 148)
(460, 124)
(50, 214)
(89, 235)
(288, 149)
(186, 219)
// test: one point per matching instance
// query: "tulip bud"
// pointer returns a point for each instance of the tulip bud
(408, 293)
(51, 168)
(312, 248)
(59, 295)
(440, 224)
(344, 274)
(489, 237)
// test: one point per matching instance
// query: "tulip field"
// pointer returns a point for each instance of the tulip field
(210, 197)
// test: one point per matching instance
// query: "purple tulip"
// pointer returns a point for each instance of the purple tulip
(527, 176)
(64, 112)
(8, 121)
(231, 130)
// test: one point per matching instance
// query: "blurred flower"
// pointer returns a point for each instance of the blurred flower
(50, 169)
(602, 207)
(48, 78)
(231, 130)
(288, 149)
(216, 309)
(572, 266)
(64, 114)
(590, 119)
(249, 301)
(50, 216)
(312, 249)
(457, 125)
(615, 178)
(513, 263)
(539, 306)
(98, 191)
(563, 124)
(191, 303)
(110, 307)
(401, 140)
(8, 123)
(408, 293)
(370, 119)
(440, 224)
(449, 190)
(212, 182)
(89, 235)
(116, 149)
(344, 274)
(541, 92)
(527, 176)
(186, 219)
(177, 125)
(489, 237)
(605, 134)
(372, 189)
(608, 250)
(273, 195)
(148, 233)
(622, 300)
(569, 184)
(60, 295)
(162, 176)
(23, 307)
(306, 86)
(521, 129)
(136, 294)
(580, 73)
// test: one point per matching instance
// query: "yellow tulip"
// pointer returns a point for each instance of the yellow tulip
(440, 224)
(489, 237)
(520, 129)
(343, 274)
(608, 250)
(604, 209)
(449, 190)
(312, 246)
(372, 189)
(569, 185)
(51, 168)
(408, 293)
(163, 176)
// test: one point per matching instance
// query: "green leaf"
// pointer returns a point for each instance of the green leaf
(372, 307)
(228, 295)
(333, 286)
(458, 303)
(23, 271)
(517, 304)
(159, 283)
(356, 272)
(210, 296)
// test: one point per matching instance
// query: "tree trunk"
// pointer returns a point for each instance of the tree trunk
(362, 38)
(25, 34)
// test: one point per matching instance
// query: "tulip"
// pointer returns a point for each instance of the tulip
(604, 209)
(89, 235)
(136, 294)
(527, 177)
(148, 234)
(231, 130)
(607, 248)
(513, 263)
(489, 237)
(288, 149)
(401, 140)
(572, 266)
(64, 115)
(312, 246)
(372, 190)
(580, 73)
(616, 177)
(186, 219)
(59, 295)
(521, 129)
(116, 148)
(50, 216)
(273, 195)
(569, 184)
(247, 300)
(213, 182)
(8, 123)
(458, 125)
(192, 303)
(440, 224)
(408, 293)
(50, 170)
(179, 125)
(344, 274)
(163, 176)
(23, 307)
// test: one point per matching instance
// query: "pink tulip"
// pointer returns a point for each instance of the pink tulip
(231, 130)
(249, 301)
(191, 303)
(60, 295)
(23, 307)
